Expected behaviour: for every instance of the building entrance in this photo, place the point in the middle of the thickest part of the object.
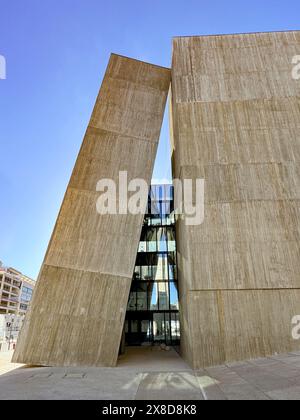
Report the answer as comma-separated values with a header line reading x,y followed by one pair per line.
x,y
152,328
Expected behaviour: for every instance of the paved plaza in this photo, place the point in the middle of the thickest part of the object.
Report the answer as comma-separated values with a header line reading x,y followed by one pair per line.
x,y
152,373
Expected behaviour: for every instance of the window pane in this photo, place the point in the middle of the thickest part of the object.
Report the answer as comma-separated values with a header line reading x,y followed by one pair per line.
x,y
145,327
158,327
146,272
134,326
171,239
175,327
152,296
132,302
162,268
142,246
174,296
155,209
163,296
172,272
167,329
162,239
137,273
171,246
141,301
152,246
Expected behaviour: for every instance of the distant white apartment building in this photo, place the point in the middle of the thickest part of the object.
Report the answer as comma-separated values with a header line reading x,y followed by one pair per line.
x,y
15,291
15,296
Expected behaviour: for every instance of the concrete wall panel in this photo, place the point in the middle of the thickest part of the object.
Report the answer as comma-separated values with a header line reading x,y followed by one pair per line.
x,y
236,122
79,304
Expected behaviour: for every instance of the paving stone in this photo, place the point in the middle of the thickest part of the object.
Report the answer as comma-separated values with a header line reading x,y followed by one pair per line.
x,y
265,362
291,394
243,392
263,379
283,370
209,387
225,376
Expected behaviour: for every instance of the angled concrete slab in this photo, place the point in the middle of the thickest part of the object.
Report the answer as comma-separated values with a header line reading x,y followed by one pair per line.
x,y
79,304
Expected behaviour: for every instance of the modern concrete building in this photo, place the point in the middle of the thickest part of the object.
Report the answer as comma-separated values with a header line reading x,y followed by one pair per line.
x,y
235,119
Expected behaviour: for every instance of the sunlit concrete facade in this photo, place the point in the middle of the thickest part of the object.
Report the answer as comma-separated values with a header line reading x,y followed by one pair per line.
x,y
79,304
236,123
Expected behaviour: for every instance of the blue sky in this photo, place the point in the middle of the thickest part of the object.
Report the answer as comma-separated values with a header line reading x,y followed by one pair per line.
x,y
56,53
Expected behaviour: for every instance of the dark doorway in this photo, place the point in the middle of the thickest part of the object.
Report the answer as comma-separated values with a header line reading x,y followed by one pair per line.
x,y
149,328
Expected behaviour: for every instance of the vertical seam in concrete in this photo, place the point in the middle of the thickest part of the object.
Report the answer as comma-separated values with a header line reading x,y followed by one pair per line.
x,y
221,314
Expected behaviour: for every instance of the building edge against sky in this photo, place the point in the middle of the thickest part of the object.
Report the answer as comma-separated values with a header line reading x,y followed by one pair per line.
x,y
235,122
71,325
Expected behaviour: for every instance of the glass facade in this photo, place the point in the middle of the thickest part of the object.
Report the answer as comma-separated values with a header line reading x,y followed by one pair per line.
x,y
153,308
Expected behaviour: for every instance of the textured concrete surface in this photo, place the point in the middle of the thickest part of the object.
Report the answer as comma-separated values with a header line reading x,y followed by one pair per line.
x,y
78,308
155,374
235,114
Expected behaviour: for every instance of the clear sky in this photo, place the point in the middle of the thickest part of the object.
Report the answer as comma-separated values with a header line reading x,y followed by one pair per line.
x,y
56,53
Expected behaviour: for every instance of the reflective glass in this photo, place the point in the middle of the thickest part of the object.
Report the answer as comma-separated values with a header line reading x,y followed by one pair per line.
x,y
162,239
158,327
153,297
141,301
155,268
134,326
174,296
162,268
132,302
175,326
146,327
163,296
142,246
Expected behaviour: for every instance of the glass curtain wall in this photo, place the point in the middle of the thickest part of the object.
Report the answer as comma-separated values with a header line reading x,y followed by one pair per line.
x,y
153,308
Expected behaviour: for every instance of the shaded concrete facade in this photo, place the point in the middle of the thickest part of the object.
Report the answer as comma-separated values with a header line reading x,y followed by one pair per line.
x,y
236,123
79,304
